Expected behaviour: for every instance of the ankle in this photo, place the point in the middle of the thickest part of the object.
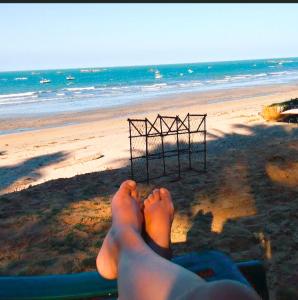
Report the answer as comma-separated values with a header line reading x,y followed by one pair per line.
x,y
124,236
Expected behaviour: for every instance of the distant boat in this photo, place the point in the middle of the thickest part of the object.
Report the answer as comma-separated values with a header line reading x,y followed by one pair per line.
x,y
45,80
157,75
70,77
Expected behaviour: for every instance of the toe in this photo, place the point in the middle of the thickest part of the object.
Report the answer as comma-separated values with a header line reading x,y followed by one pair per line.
x,y
128,186
156,195
135,195
149,200
165,195
146,201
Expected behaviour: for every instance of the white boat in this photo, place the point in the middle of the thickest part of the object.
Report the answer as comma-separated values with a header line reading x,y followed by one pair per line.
x,y
70,77
157,75
45,80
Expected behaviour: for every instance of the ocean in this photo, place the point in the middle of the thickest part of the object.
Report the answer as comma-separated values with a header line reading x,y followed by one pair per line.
x,y
22,93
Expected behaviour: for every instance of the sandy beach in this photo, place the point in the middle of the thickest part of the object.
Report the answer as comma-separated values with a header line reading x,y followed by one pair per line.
x,y
56,185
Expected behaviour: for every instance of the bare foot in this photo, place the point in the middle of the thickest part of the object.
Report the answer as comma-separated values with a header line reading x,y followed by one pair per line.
x,y
159,214
126,213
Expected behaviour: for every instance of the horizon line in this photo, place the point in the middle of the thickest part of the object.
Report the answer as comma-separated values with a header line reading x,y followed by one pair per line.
x,y
146,65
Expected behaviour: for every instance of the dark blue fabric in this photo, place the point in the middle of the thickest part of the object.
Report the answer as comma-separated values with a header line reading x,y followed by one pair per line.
x,y
211,265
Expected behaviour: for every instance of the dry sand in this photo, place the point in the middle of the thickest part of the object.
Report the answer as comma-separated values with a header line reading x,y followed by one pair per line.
x,y
245,204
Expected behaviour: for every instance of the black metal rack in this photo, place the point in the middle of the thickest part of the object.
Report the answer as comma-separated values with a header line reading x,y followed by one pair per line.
x,y
154,145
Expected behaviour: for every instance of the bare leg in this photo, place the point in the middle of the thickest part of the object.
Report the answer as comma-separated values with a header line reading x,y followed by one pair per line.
x,y
126,213
144,275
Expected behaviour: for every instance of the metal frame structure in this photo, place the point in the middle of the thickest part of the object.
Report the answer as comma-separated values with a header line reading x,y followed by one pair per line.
x,y
163,140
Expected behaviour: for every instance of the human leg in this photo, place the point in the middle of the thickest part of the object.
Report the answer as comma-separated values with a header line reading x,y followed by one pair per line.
x,y
144,275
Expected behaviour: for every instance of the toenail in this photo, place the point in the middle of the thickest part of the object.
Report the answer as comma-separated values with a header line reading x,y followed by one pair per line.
x,y
163,190
131,183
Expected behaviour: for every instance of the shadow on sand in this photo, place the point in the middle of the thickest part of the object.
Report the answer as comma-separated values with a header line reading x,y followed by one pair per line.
x,y
245,205
28,170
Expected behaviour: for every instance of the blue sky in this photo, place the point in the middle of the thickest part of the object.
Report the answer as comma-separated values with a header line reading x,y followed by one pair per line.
x,y
45,36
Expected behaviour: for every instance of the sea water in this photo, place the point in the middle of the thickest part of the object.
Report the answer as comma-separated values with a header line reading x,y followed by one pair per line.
x,y
22,93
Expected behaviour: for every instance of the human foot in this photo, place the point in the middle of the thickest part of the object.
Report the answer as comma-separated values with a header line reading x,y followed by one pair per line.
x,y
159,214
126,214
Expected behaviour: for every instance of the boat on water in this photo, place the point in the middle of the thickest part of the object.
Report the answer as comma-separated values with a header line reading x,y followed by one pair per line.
x,y
70,77
157,75
43,80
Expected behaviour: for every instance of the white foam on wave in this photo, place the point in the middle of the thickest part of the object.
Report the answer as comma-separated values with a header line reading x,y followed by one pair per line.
x,y
183,84
282,73
81,89
18,100
245,76
286,61
241,76
215,81
21,78
28,94
278,73
190,84
280,62
153,87
260,75
91,70
196,83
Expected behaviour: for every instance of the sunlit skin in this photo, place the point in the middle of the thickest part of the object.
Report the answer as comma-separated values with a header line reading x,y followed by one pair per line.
x,y
126,214
141,273
158,217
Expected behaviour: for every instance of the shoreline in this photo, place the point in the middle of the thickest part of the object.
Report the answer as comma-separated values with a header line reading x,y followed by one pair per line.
x,y
17,125
98,140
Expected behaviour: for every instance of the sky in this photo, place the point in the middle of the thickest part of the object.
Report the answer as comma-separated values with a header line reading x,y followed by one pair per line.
x,y
53,36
